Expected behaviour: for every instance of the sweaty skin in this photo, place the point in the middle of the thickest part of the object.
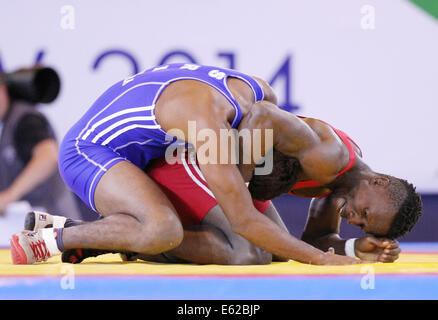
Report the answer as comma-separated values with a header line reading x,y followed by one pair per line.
x,y
139,218
358,195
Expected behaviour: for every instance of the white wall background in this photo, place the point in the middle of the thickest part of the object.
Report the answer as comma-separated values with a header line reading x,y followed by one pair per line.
x,y
379,85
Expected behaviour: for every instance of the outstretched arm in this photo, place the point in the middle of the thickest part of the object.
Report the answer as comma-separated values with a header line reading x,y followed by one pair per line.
x,y
225,180
213,242
273,214
233,196
230,191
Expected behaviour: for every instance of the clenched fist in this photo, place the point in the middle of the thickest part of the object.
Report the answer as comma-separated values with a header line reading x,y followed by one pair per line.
x,y
377,249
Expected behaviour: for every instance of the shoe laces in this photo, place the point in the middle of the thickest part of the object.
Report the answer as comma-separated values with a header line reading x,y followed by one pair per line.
x,y
39,250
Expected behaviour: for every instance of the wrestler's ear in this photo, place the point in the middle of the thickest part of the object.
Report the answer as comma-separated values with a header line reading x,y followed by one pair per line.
x,y
379,181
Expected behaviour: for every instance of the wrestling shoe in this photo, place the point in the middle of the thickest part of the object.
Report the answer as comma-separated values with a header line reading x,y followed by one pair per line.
x,y
78,255
36,220
28,247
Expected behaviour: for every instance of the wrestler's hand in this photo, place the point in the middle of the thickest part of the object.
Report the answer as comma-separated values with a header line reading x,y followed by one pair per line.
x,y
330,258
377,249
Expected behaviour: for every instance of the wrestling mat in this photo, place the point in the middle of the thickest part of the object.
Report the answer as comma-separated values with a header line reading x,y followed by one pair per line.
x,y
413,276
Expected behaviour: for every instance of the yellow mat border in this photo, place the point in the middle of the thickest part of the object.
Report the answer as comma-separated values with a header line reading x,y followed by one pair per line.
x,y
111,264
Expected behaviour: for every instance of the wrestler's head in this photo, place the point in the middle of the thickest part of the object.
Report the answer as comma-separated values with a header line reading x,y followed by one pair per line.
x,y
382,205
279,181
4,98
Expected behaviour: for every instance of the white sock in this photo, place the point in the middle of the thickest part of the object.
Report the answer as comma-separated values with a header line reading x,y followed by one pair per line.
x,y
48,235
59,221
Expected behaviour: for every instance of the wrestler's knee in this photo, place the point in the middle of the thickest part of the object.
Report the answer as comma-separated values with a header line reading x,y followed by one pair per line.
x,y
159,235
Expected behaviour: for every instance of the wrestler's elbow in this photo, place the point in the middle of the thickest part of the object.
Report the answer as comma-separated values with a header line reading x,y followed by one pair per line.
x,y
244,223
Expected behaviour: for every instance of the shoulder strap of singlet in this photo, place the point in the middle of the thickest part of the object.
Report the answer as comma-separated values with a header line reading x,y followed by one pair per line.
x,y
255,87
349,144
217,78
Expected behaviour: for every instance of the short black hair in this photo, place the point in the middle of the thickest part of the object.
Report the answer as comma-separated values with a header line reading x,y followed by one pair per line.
x,y
282,178
410,207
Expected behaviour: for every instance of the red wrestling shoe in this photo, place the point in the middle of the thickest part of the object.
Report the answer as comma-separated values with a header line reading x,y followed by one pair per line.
x,y
28,247
78,255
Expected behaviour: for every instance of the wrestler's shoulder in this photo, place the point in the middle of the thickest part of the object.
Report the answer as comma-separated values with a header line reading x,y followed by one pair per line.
x,y
269,93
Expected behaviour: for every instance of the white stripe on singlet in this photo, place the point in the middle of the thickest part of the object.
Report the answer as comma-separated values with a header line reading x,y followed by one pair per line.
x,y
133,142
128,128
119,123
115,115
94,179
97,114
199,183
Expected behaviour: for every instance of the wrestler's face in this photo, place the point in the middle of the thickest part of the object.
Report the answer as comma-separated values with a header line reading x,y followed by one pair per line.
x,y
4,100
369,207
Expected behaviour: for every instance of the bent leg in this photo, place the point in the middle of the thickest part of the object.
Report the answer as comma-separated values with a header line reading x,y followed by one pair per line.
x,y
213,242
138,216
208,238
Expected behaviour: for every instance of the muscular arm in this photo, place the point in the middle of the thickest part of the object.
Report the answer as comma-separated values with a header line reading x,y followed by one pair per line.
x,y
225,180
233,196
320,153
213,242
273,214
322,226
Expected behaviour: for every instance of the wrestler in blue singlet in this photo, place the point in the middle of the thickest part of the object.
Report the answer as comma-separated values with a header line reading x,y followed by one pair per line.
x,y
121,124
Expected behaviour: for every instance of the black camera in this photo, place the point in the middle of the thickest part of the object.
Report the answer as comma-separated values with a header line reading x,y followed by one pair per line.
x,y
33,85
